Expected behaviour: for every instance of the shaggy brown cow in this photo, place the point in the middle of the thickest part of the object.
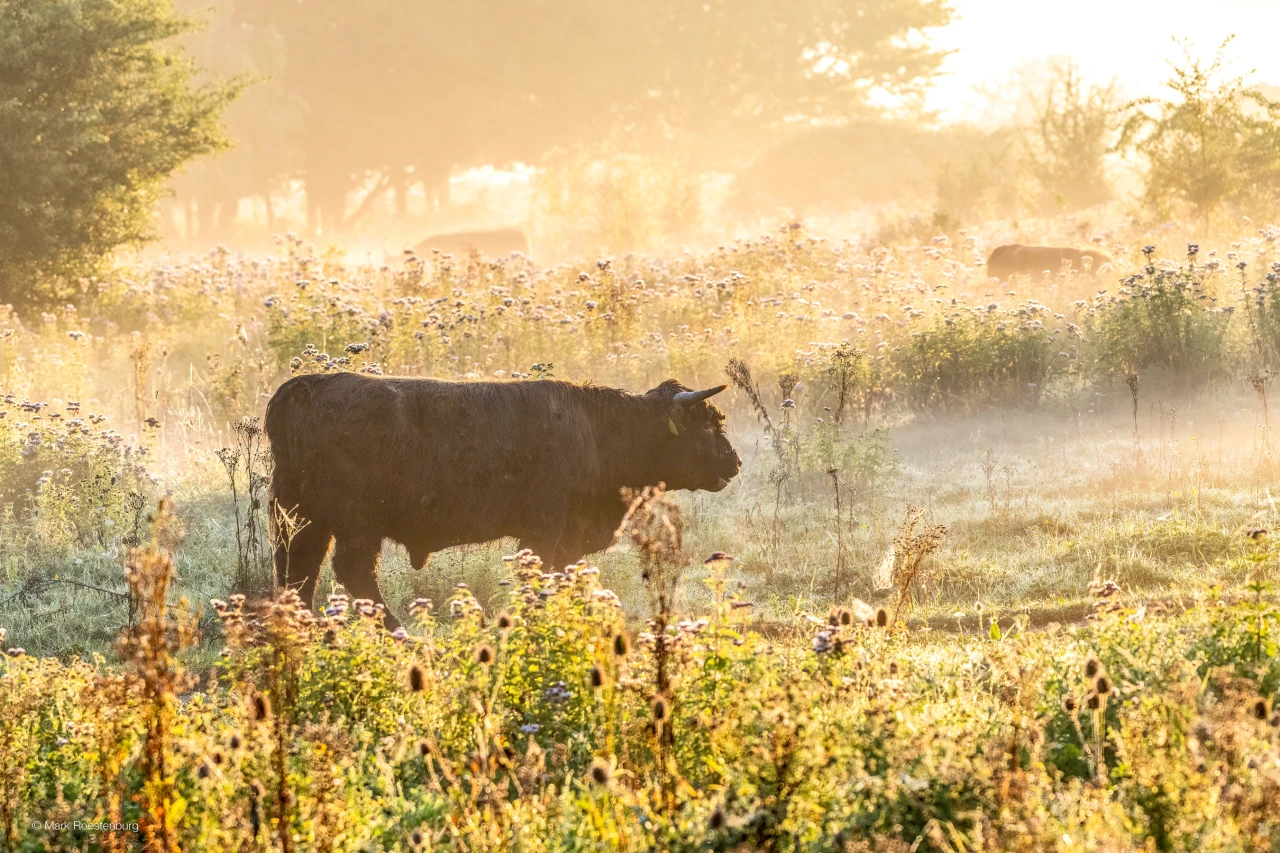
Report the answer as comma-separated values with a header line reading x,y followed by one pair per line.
x,y
497,243
432,464
1016,259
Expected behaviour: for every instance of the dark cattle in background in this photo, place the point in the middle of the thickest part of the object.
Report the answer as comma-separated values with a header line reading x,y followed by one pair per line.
x,y
1016,259
432,464
497,243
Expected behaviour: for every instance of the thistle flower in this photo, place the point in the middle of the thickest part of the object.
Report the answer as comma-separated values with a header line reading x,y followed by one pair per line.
x,y
417,679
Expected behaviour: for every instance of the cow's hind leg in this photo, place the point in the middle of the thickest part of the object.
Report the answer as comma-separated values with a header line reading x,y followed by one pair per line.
x,y
355,564
298,561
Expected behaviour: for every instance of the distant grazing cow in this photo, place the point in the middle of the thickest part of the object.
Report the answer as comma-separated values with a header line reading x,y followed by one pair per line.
x,y
497,243
433,464
1016,259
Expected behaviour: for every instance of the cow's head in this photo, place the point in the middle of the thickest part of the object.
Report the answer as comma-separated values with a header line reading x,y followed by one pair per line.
x,y
696,452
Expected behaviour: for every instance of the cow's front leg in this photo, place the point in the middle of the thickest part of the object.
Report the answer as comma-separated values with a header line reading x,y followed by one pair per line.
x,y
355,565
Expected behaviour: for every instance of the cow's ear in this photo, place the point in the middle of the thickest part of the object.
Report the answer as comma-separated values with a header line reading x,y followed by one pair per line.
x,y
671,425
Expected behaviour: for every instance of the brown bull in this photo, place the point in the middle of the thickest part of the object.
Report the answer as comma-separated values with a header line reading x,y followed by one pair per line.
x,y
1016,259
432,464
495,243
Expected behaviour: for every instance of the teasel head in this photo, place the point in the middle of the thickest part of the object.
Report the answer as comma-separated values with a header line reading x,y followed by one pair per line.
x,y
1092,667
484,654
1093,701
621,645
505,621
600,773
882,618
597,677
717,820
658,706
1260,708
259,707
417,678
1069,704
1102,685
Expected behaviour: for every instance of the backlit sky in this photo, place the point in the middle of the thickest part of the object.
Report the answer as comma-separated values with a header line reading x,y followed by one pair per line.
x,y
1127,39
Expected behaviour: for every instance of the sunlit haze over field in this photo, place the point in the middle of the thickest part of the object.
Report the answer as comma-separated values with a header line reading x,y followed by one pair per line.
x,y
1126,39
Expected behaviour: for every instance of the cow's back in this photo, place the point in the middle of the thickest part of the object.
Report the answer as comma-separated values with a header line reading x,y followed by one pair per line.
x,y
494,243
1017,259
385,451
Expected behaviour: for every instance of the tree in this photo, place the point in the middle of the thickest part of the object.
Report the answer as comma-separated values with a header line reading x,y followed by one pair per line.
x,y
96,112
397,93
1212,143
1069,136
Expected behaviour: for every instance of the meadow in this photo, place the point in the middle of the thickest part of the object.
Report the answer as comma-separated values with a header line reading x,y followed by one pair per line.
x,y
997,573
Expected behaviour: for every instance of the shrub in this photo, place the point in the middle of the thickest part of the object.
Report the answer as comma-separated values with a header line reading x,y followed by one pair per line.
x,y
1167,320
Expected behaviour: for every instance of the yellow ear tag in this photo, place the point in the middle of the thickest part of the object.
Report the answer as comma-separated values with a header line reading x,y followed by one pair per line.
x,y
671,425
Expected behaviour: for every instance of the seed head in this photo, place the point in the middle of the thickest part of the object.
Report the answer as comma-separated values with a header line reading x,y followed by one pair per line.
x,y
600,773
1260,709
484,654
424,748
234,742
597,677
717,820
621,645
659,708
505,621
259,707
416,839
417,679
1092,667
1069,704
1093,702
1102,686
882,618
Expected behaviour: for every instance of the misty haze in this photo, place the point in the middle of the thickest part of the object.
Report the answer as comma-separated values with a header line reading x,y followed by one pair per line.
x,y
651,426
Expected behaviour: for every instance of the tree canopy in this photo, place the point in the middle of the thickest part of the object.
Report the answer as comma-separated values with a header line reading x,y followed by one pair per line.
x,y
408,92
96,111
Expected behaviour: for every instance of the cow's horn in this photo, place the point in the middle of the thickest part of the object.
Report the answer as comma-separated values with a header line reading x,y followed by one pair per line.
x,y
685,398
